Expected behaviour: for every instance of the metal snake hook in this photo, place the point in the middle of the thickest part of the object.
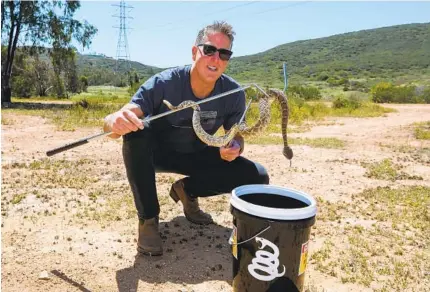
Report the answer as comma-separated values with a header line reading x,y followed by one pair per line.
x,y
148,119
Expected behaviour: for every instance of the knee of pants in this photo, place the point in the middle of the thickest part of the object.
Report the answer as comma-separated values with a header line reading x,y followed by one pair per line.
x,y
262,175
137,142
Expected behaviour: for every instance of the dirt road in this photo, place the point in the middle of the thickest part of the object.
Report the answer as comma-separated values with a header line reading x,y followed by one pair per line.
x,y
72,215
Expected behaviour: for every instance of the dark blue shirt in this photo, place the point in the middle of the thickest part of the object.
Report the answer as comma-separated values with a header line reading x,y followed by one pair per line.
x,y
175,131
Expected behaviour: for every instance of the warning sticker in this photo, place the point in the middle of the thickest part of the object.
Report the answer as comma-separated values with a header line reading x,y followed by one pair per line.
x,y
303,257
234,242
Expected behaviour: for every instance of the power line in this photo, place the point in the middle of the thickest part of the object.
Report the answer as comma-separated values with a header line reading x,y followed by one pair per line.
x,y
283,7
204,15
234,7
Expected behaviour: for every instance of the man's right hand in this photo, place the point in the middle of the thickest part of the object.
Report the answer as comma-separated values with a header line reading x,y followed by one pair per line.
x,y
123,122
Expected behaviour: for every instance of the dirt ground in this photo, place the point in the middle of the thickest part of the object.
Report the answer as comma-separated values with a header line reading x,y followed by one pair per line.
x,y
72,215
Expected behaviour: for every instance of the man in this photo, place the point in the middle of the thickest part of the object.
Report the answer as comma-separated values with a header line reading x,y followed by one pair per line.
x,y
169,144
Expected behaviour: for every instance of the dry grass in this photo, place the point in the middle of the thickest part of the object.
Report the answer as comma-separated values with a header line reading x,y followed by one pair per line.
x,y
389,252
415,154
422,131
331,143
6,121
387,170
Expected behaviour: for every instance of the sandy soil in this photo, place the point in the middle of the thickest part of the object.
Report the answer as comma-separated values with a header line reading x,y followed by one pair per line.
x,y
72,216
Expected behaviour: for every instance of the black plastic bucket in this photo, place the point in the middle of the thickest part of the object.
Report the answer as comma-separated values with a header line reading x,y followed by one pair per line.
x,y
270,238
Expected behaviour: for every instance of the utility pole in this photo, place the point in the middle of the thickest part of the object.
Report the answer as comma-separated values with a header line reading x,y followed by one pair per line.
x,y
122,52
285,77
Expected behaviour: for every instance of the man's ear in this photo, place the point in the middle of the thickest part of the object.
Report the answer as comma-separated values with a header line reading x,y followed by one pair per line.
x,y
194,52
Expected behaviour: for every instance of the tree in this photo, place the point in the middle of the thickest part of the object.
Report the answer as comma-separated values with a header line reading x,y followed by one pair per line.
x,y
37,23
41,76
64,63
72,76
84,83
21,80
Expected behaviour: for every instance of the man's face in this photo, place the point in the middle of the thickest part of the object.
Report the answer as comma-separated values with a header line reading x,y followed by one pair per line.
x,y
210,68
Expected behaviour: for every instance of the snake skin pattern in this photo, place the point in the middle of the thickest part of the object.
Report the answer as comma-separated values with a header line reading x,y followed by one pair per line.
x,y
242,128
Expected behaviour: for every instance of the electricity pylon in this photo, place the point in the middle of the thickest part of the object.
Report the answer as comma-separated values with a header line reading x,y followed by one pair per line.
x,y
122,52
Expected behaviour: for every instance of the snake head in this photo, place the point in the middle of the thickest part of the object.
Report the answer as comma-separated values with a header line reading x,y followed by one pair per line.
x,y
288,152
168,104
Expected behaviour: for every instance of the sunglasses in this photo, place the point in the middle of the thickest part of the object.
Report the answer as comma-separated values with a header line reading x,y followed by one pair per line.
x,y
210,50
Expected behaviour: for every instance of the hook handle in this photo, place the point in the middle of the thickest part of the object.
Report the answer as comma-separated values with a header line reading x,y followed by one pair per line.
x,y
75,144
66,147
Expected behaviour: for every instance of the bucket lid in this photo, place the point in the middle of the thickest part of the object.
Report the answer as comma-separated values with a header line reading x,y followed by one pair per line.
x,y
274,213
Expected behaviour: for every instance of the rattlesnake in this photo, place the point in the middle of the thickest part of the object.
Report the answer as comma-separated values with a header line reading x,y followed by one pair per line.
x,y
242,128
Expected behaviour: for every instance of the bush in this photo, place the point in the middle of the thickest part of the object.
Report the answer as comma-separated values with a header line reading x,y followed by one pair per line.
x,y
322,77
352,101
84,83
304,92
335,81
357,99
340,101
357,86
22,87
426,94
385,92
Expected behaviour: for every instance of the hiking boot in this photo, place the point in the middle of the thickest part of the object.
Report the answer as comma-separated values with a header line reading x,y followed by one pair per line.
x,y
149,242
191,205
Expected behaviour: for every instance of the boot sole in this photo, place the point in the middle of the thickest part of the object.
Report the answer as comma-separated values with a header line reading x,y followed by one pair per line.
x,y
197,222
149,253
176,198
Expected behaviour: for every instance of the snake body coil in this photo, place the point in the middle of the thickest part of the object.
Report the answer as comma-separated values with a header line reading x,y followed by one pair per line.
x,y
242,128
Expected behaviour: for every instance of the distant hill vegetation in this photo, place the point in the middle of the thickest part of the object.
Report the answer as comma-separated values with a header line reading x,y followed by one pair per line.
x,y
353,61
383,53
100,69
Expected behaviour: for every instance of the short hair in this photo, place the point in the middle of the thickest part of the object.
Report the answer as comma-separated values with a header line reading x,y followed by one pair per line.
x,y
217,26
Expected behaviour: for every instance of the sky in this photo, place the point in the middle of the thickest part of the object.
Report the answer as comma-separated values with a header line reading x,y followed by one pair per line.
x,y
162,33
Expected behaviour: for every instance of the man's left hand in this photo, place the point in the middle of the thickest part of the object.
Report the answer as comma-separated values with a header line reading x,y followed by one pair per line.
x,y
231,151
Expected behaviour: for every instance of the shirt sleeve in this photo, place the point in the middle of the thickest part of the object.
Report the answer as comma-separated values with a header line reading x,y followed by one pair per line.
x,y
238,108
149,95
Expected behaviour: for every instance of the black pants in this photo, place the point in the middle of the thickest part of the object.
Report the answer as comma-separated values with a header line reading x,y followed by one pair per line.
x,y
207,174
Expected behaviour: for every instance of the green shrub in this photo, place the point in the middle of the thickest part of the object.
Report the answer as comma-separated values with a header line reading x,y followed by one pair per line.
x,y
22,87
355,101
319,110
84,83
304,92
351,101
322,77
425,94
335,81
385,92
340,101
422,131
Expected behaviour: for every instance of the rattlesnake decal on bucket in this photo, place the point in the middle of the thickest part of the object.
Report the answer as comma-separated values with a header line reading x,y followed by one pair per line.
x,y
266,262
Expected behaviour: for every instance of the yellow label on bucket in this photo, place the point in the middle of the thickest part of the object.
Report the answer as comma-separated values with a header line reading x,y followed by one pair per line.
x,y
303,257
234,242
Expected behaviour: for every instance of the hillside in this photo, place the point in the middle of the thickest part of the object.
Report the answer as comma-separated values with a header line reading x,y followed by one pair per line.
x,y
100,68
385,52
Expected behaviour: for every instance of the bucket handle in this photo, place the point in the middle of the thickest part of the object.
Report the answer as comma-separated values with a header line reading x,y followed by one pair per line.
x,y
230,240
